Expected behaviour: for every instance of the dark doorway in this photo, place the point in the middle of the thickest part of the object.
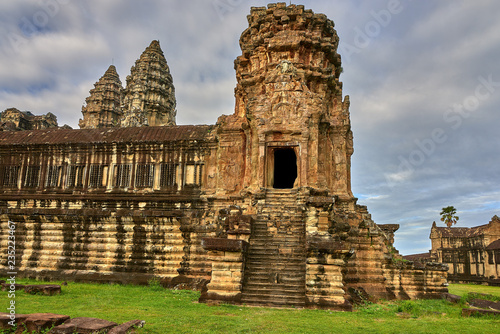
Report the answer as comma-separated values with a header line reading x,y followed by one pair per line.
x,y
285,168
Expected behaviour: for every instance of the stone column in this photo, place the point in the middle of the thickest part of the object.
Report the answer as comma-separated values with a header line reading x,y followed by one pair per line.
x,y
324,279
228,263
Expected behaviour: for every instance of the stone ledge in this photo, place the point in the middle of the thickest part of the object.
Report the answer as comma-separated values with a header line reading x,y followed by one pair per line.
x,y
62,324
326,245
216,298
225,245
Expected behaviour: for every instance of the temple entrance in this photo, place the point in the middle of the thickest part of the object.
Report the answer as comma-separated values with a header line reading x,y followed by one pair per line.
x,y
285,168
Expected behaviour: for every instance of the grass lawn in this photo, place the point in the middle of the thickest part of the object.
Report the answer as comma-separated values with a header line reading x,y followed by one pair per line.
x,y
172,311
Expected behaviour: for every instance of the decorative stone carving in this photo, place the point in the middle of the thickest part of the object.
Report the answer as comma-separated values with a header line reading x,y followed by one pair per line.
x,y
149,98
103,106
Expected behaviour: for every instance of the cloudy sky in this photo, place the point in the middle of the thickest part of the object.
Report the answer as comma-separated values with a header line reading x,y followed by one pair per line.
x,y
423,79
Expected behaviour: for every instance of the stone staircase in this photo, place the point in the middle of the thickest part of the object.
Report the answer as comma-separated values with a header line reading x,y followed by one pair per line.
x,y
275,267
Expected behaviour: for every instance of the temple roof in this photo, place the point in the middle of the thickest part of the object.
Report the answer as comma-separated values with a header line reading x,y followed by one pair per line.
x,y
107,135
416,257
460,232
494,245
464,232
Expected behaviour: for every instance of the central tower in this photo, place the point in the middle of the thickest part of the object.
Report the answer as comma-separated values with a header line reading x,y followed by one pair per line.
x,y
289,104
293,232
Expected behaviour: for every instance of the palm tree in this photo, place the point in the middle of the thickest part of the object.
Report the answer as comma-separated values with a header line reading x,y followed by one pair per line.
x,y
448,216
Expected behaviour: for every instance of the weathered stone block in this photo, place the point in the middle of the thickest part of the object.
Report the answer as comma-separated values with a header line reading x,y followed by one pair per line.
x,y
47,289
38,322
469,312
128,327
6,318
83,325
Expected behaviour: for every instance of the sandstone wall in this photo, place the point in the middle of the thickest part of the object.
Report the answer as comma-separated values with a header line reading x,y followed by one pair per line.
x,y
94,245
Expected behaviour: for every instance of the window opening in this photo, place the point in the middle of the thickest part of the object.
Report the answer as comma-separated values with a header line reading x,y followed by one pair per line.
x,y
168,175
10,176
96,175
75,176
144,176
53,173
122,176
32,176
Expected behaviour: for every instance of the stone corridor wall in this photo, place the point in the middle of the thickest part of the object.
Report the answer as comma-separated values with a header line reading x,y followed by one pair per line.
x,y
90,245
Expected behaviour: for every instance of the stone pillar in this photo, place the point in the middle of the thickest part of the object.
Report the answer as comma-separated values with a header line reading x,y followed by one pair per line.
x,y
228,263
324,279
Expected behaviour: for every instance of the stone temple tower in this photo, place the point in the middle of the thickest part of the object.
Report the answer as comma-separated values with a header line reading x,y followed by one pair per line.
x,y
103,106
289,98
149,97
147,100
283,171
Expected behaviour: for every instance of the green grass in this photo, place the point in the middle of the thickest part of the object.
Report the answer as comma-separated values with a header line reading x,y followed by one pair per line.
x,y
171,311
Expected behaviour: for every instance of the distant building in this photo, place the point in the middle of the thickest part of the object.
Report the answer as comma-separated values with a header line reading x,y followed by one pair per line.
x,y
472,254
13,119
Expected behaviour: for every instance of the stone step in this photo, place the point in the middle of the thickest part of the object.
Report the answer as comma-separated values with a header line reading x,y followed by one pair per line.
x,y
273,229
263,273
273,260
270,244
263,221
280,237
271,271
275,270
283,252
288,283
272,267
274,300
277,243
292,291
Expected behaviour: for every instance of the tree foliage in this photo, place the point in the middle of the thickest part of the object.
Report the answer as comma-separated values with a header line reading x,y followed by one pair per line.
x,y
448,215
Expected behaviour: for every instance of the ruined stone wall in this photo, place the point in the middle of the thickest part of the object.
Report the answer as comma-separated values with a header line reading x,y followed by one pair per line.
x,y
83,245
13,119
